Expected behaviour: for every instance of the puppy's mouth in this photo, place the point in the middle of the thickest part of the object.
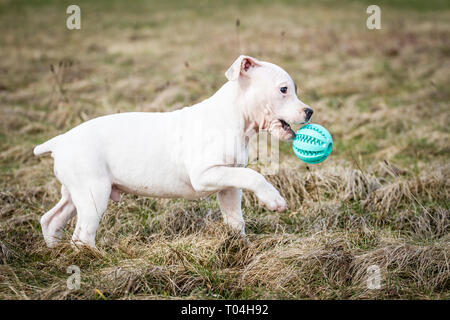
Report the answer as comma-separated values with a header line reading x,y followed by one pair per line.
x,y
286,131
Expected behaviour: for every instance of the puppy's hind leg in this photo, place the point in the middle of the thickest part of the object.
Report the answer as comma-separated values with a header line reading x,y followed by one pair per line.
x,y
230,206
55,219
91,200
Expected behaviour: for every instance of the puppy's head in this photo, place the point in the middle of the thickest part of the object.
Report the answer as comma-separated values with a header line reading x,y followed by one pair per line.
x,y
269,95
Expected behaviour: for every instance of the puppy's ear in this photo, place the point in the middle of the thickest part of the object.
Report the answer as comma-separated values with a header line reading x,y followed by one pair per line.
x,y
241,67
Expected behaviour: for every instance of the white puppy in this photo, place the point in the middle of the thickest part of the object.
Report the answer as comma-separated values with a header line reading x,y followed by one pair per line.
x,y
188,153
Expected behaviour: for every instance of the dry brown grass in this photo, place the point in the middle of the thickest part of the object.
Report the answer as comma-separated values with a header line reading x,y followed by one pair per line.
x,y
380,199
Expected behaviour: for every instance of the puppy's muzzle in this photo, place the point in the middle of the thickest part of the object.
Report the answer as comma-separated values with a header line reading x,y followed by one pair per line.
x,y
308,114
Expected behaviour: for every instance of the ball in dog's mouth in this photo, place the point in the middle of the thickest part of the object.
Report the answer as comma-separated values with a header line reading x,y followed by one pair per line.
x,y
287,133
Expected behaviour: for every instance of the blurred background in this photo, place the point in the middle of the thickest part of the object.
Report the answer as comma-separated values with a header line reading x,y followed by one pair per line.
x,y
380,198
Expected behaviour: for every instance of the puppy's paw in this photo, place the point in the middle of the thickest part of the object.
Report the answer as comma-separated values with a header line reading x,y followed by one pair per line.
x,y
51,241
272,200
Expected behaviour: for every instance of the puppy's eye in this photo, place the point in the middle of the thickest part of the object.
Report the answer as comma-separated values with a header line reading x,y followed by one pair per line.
x,y
283,89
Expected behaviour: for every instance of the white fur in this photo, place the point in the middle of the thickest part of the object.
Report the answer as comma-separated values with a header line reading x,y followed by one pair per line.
x,y
188,153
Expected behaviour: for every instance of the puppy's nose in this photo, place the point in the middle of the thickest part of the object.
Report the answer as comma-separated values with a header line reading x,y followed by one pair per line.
x,y
308,113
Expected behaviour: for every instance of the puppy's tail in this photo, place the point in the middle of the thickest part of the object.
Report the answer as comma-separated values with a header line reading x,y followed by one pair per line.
x,y
46,147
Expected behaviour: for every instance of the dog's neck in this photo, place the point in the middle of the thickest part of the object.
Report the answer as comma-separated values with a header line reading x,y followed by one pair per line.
x,y
255,115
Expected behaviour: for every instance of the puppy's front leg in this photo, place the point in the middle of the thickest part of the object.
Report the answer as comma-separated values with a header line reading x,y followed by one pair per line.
x,y
222,177
230,206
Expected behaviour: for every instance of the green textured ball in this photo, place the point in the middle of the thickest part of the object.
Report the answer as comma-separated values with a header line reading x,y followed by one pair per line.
x,y
312,143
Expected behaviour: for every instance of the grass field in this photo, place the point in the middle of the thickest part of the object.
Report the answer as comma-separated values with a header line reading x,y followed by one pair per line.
x,y
382,197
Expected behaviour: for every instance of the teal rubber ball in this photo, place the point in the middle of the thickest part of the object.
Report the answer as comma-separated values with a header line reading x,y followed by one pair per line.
x,y
312,143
